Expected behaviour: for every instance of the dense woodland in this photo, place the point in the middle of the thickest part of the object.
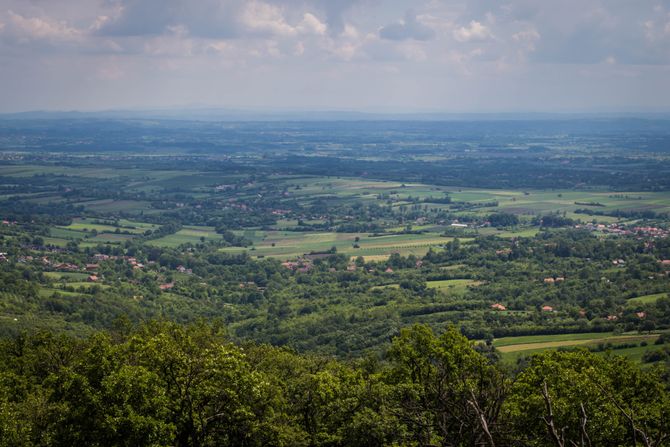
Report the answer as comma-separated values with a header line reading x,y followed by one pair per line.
x,y
165,384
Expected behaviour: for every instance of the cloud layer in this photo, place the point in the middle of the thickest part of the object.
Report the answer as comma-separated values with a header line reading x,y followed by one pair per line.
x,y
472,55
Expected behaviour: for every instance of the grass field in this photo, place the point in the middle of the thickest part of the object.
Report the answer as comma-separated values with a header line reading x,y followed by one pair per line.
x,y
289,245
453,286
188,234
114,206
125,226
81,229
646,299
512,348
67,276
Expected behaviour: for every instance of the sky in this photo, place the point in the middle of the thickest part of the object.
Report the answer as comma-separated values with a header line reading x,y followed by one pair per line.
x,y
365,55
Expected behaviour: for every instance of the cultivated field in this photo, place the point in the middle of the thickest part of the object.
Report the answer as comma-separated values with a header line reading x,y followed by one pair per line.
x,y
513,348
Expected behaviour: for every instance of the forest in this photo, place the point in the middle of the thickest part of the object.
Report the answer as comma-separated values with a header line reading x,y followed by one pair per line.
x,y
166,384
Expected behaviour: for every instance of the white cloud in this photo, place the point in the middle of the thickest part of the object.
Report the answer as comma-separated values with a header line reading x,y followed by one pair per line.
x,y
266,18
35,28
312,25
410,27
350,32
475,32
527,38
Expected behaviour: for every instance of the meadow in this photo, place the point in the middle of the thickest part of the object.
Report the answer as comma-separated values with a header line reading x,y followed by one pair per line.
x,y
513,348
292,244
190,234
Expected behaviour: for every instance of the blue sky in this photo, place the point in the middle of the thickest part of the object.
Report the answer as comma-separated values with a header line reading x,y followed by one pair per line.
x,y
373,55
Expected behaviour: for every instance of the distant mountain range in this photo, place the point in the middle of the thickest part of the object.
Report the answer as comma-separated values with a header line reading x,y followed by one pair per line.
x,y
219,114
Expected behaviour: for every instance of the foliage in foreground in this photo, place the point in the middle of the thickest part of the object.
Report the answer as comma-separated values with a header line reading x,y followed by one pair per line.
x,y
165,384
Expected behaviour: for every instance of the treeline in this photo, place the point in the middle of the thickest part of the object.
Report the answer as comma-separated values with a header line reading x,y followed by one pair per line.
x,y
638,214
166,384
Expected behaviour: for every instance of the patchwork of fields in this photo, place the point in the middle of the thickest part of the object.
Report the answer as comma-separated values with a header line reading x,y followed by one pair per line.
x,y
513,348
290,245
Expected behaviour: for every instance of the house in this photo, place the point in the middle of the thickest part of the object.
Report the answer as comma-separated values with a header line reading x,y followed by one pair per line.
x,y
547,309
388,270
100,257
181,269
92,267
549,280
166,286
290,265
93,278
351,268
612,318
498,306
559,279
641,315
66,266
3,257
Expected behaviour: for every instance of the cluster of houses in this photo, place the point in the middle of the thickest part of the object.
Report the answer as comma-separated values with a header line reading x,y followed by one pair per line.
x,y
641,315
181,269
134,263
582,313
280,212
301,265
498,306
624,230
554,279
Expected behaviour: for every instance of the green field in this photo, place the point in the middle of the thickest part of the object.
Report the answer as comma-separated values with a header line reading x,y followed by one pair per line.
x,y
67,276
512,348
646,299
453,286
289,245
125,226
187,235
